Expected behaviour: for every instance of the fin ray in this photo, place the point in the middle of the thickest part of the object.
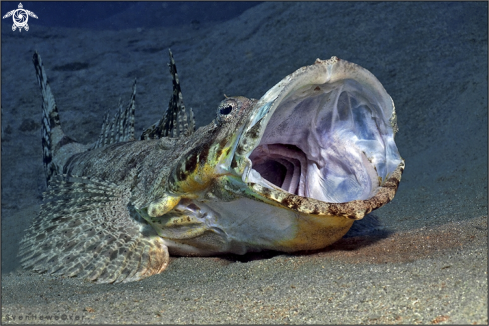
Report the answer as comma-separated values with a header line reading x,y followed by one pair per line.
x,y
57,147
175,122
121,127
86,227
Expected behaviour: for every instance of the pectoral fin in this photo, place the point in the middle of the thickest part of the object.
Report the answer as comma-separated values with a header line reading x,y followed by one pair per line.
x,y
186,228
182,222
88,228
163,205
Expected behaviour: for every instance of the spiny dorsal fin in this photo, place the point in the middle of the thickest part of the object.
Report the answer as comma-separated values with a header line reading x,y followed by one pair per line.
x,y
56,146
88,228
121,128
175,122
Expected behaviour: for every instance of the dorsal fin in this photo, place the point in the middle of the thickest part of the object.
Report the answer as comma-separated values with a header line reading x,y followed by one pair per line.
x,y
175,122
121,128
57,147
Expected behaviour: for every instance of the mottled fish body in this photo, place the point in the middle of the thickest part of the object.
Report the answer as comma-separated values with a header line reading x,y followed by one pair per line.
x,y
291,171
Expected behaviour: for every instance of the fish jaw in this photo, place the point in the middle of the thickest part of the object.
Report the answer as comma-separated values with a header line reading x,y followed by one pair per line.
x,y
234,218
253,221
300,165
321,142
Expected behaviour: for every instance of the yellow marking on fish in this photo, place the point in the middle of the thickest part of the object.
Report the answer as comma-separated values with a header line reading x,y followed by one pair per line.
x,y
198,180
163,205
204,173
316,232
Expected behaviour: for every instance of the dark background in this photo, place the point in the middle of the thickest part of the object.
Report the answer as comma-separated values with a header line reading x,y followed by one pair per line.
x,y
431,57
116,15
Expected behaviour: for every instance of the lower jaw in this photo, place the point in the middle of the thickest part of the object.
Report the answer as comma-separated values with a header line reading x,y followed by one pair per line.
x,y
316,232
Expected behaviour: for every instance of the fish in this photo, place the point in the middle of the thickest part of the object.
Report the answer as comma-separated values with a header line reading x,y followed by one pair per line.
x,y
288,172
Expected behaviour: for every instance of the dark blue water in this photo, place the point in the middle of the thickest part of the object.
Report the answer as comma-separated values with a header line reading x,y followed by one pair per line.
x,y
116,15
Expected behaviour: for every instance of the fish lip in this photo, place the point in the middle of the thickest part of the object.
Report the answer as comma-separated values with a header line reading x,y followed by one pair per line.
x,y
322,72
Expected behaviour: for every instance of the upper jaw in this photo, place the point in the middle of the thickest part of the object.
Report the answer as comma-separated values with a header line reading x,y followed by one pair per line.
x,y
322,136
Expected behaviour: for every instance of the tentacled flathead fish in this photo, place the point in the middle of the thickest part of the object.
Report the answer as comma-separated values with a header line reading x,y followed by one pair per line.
x,y
291,171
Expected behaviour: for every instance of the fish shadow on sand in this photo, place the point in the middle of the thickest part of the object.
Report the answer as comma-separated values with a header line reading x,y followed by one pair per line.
x,y
363,233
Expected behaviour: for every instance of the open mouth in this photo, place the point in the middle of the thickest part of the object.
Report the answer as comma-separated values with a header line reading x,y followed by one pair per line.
x,y
326,132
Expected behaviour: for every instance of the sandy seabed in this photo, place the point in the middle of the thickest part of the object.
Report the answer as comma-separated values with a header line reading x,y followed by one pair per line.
x,y
425,259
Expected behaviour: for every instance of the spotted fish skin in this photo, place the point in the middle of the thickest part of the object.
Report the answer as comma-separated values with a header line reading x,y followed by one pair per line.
x,y
95,192
116,209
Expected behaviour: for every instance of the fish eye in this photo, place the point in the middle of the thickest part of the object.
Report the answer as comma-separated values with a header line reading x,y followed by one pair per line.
x,y
225,110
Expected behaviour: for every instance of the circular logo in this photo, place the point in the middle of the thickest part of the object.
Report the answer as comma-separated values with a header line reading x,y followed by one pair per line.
x,y
20,18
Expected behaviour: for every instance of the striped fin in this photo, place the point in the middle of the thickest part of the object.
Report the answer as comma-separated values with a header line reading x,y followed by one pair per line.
x,y
88,228
121,127
175,122
57,147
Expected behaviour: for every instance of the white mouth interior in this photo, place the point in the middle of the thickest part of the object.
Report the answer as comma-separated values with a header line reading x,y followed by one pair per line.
x,y
330,142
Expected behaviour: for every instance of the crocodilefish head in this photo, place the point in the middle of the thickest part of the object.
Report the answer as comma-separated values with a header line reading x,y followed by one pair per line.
x,y
293,170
